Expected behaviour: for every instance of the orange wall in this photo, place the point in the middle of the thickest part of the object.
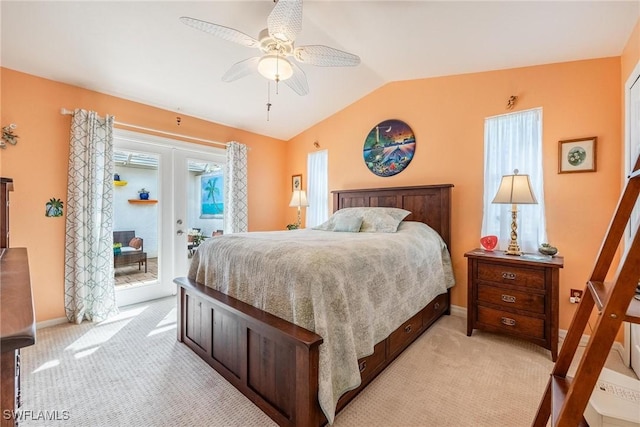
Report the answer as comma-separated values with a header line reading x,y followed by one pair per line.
x,y
630,55
38,165
447,114
579,99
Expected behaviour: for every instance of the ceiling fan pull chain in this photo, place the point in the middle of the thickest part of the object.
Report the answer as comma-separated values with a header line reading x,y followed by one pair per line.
x,y
277,70
268,98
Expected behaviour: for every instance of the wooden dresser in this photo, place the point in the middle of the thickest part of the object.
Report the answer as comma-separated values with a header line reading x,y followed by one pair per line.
x,y
514,295
17,327
6,185
17,319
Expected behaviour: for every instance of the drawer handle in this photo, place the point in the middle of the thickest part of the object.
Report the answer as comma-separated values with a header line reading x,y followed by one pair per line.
x,y
436,306
362,365
508,321
407,328
508,298
509,276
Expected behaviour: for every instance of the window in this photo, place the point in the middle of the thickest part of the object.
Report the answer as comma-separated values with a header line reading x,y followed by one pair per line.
x,y
317,188
514,141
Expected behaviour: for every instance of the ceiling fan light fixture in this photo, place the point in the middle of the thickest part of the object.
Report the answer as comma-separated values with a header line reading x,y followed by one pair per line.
x,y
275,67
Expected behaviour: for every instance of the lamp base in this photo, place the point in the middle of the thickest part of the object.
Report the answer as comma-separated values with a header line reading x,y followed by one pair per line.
x,y
514,251
514,247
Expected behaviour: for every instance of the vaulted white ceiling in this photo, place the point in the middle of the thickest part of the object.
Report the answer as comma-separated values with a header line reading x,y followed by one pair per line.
x,y
142,52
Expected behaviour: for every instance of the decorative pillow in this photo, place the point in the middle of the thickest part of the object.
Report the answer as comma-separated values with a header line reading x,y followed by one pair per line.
x,y
374,219
136,243
348,224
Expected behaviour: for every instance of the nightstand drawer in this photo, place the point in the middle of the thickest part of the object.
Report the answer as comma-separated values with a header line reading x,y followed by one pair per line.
x,y
506,273
511,322
511,298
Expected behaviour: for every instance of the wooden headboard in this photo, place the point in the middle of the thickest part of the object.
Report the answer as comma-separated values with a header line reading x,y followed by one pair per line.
x,y
430,204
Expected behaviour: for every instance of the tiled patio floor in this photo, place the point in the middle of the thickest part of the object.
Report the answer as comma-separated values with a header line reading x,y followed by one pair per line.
x,y
130,275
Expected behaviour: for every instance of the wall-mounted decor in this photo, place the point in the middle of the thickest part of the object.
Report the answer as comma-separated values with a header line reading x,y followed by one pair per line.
x,y
296,182
211,195
389,147
8,136
577,155
53,207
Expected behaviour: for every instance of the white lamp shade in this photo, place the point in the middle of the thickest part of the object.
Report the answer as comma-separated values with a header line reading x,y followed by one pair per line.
x,y
515,189
271,66
298,198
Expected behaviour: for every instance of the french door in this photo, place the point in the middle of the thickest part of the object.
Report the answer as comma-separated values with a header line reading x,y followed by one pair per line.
x,y
176,175
632,150
199,179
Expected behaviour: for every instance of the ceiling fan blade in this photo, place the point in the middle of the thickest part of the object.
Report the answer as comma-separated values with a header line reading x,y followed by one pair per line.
x,y
221,31
241,69
325,56
285,20
298,81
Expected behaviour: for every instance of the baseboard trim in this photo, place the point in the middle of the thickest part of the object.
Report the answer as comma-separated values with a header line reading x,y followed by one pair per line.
x,y
456,310
51,322
584,340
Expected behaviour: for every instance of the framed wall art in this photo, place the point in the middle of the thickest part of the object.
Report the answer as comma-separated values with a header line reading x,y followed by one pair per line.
x,y
211,195
389,148
296,182
577,155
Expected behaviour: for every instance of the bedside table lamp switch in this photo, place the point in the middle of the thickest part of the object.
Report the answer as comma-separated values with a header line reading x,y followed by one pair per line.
x,y
514,189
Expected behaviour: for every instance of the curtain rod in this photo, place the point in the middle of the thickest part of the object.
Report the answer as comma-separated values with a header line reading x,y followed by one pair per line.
x,y
66,112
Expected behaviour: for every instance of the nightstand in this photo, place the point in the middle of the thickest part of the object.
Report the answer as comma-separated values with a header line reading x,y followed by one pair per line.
x,y
514,295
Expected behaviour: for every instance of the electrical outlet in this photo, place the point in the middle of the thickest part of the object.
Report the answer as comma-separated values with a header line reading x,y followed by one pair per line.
x,y
576,296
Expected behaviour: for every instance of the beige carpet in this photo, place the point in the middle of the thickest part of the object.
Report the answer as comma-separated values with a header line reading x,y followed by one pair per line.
x,y
131,371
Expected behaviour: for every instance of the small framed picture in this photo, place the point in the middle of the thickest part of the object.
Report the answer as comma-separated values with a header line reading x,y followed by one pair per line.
x,y
296,182
577,155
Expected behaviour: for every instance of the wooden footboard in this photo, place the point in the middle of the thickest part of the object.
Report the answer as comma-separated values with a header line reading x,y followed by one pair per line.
x,y
274,362
271,361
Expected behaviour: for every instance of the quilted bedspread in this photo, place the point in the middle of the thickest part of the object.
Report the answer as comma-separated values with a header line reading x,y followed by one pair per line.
x,y
353,289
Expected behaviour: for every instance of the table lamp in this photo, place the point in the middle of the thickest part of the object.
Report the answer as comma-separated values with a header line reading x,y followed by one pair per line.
x,y
298,200
514,189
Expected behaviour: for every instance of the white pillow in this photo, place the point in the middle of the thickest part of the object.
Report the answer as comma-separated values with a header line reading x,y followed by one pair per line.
x,y
374,219
348,224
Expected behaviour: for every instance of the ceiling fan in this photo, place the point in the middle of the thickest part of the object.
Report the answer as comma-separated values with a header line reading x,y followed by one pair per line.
x,y
277,45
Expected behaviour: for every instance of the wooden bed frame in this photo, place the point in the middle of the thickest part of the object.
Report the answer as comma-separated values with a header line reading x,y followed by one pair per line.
x,y
274,362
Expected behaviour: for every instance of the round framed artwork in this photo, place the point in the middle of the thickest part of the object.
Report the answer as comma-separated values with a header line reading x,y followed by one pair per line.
x,y
389,148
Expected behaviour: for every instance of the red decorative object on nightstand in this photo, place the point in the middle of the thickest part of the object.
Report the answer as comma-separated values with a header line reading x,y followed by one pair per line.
x,y
489,243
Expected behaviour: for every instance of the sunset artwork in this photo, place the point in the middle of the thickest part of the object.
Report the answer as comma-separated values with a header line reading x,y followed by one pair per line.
x,y
389,148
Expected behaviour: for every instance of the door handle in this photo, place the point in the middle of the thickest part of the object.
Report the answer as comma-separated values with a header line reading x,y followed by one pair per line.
x,y
179,232
179,222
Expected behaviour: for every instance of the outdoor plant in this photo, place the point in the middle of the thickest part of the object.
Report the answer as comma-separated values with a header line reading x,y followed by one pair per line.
x,y
195,236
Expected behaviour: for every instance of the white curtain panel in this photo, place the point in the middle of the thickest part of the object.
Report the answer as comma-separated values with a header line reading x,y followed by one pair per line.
x,y
317,188
235,189
514,141
88,276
